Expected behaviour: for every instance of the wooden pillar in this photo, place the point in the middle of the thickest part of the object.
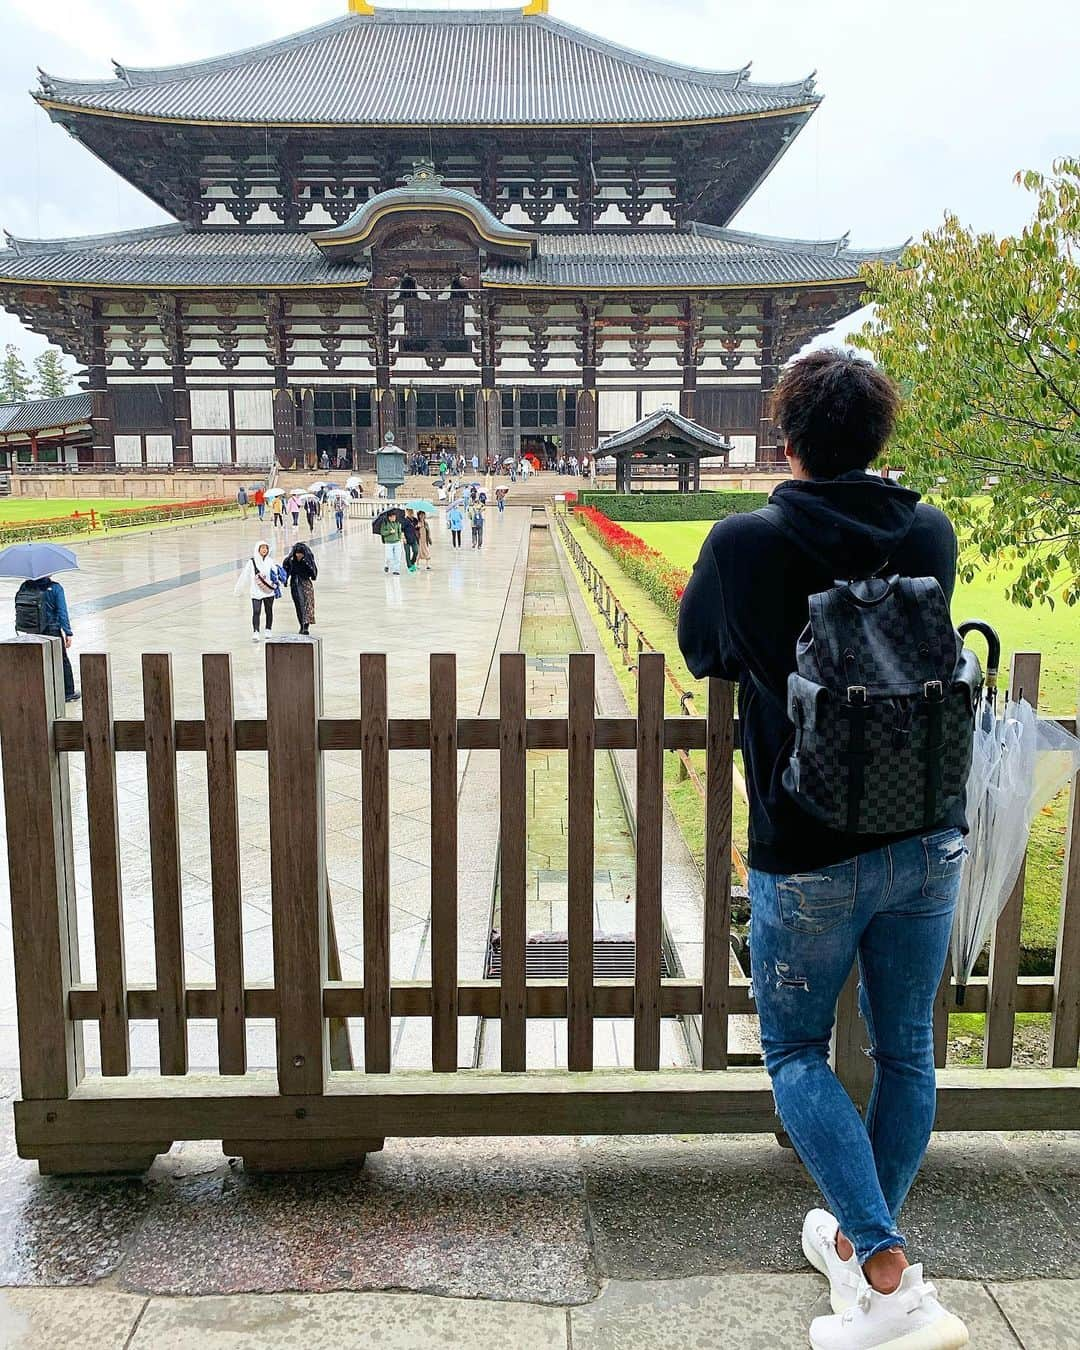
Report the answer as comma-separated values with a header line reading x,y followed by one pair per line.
x,y
101,418
33,447
693,325
170,316
489,414
385,396
587,412
764,456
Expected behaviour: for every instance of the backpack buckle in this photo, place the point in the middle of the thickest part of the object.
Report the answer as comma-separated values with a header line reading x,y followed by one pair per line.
x,y
856,694
933,691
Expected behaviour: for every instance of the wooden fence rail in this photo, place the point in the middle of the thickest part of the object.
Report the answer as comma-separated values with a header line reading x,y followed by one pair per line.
x,y
309,1111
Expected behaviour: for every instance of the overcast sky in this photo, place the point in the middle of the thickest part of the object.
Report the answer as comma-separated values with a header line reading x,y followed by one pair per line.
x,y
930,105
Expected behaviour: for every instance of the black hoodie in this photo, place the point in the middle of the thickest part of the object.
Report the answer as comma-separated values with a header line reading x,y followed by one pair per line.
x,y
746,605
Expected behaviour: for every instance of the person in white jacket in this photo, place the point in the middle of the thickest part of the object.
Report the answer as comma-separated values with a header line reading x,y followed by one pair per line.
x,y
260,580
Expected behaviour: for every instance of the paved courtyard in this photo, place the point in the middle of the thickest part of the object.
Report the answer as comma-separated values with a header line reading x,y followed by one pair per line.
x,y
173,591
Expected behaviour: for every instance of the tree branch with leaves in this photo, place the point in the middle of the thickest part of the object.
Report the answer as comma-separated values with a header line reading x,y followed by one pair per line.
x,y
983,335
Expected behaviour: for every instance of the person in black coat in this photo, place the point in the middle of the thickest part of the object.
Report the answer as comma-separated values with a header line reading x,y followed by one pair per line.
x,y
301,569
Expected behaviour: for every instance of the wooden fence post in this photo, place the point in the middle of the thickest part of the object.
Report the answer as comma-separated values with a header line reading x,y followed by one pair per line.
x,y
42,882
1065,1021
716,958
1005,943
160,735
225,861
375,801
649,861
444,862
580,887
299,906
512,848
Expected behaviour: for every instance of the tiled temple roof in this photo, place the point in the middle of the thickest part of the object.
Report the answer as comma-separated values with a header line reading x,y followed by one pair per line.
x,y
39,414
417,67
172,256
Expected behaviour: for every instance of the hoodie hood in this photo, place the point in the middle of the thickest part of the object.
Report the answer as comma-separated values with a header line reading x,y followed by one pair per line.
x,y
850,524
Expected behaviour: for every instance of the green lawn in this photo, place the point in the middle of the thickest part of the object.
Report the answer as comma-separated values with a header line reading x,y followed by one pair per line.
x,y
1056,633
17,509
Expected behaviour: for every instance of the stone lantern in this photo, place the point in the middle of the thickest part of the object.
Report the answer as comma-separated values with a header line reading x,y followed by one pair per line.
x,y
390,466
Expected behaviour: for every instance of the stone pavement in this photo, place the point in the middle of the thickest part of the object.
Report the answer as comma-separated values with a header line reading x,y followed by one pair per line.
x,y
594,1244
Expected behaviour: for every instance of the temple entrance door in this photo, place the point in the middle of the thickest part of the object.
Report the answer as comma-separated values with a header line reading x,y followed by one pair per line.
x,y
436,443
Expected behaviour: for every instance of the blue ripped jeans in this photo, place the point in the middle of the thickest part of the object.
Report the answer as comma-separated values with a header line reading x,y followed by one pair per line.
x,y
893,909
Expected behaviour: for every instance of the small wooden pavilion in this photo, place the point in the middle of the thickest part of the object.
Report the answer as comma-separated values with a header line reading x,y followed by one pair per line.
x,y
661,447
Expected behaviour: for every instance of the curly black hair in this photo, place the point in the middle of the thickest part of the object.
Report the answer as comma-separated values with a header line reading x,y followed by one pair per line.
x,y
836,411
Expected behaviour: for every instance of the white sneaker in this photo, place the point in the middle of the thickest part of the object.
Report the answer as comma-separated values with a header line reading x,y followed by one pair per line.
x,y
909,1319
819,1232
254,637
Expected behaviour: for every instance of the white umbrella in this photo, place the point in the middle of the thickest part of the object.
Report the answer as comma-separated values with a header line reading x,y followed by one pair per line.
x,y
1020,761
353,481
275,492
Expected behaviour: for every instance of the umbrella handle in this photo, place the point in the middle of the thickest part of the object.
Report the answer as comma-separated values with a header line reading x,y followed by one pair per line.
x,y
993,648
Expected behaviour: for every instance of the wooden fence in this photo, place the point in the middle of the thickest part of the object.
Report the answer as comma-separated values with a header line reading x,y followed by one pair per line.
x,y
308,1112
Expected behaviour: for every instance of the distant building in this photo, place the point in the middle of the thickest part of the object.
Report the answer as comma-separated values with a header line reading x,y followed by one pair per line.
x,y
483,231
52,432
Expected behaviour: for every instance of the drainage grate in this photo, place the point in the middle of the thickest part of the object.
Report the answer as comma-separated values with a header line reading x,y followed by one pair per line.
x,y
547,957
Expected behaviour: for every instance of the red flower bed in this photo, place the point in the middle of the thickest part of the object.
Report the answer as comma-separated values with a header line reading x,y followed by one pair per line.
x,y
663,581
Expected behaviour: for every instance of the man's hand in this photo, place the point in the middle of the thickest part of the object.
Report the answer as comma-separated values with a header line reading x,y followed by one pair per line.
x,y
69,638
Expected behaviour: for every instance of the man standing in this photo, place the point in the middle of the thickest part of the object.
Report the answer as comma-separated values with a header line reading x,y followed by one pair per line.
x,y
242,502
41,607
820,897
259,499
390,531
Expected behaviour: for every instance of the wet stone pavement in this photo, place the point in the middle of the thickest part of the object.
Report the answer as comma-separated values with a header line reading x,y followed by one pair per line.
x,y
630,1240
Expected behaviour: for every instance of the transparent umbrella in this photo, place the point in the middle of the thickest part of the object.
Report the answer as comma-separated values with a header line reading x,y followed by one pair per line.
x,y
1019,762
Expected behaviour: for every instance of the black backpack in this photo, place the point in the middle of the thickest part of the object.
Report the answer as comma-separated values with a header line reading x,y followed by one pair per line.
x,y
883,702
30,614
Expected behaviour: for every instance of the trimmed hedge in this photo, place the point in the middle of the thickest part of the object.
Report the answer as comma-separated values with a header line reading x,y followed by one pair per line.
x,y
55,527
651,506
166,511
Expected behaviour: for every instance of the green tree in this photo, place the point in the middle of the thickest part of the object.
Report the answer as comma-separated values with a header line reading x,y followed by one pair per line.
x,y
50,376
983,335
14,377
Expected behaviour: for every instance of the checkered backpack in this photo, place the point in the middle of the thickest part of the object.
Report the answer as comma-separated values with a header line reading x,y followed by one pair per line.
x,y
883,703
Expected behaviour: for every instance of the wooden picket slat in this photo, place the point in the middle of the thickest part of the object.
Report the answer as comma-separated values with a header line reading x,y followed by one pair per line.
x,y
164,814
1005,943
444,862
99,758
649,860
44,926
716,957
580,859
512,852
1065,1021
297,861
225,883
853,1066
942,1005
375,801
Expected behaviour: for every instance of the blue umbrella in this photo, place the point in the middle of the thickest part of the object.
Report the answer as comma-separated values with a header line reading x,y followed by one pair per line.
x,y
421,504
33,560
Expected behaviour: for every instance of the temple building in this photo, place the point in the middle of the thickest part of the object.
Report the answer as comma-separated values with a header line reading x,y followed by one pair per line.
x,y
481,230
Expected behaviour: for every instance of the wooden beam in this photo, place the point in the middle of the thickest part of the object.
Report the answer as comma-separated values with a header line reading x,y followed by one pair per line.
x,y
478,1104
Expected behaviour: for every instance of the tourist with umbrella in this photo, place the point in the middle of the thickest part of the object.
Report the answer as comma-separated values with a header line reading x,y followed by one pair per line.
x,y
389,526
301,569
311,510
40,602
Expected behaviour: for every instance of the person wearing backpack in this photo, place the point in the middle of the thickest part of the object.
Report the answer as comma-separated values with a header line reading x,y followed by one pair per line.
x,y
856,814
41,607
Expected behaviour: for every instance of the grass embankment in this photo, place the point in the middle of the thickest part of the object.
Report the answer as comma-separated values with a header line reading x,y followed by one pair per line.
x,y
14,510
